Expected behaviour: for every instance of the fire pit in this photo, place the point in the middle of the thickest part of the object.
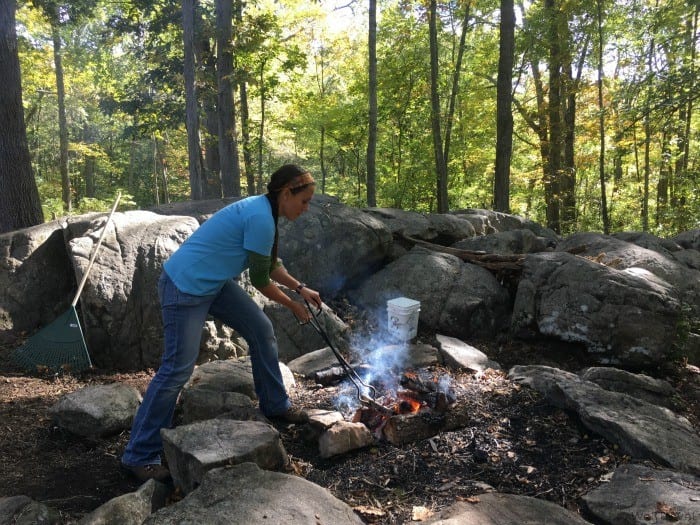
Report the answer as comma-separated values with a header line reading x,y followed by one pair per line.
x,y
424,403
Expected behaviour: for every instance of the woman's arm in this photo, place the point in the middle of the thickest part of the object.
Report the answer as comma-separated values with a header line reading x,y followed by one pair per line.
x,y
283,277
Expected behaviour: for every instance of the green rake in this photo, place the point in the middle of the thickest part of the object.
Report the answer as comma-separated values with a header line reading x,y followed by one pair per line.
x,y
60,346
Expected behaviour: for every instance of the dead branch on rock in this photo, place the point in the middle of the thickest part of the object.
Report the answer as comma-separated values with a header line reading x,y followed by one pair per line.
x,y
491,261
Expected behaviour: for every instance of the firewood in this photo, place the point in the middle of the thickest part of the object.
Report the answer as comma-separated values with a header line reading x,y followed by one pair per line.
x,y
402,429
490,261
330,375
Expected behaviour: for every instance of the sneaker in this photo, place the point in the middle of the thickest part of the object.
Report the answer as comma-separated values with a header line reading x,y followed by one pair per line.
x,y
145,472
292,415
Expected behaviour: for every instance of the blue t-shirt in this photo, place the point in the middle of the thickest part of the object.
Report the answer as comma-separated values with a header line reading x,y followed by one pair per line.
x,y
218,249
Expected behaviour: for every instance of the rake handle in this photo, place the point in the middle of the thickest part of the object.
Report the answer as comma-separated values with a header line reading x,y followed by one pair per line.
x,y
94,252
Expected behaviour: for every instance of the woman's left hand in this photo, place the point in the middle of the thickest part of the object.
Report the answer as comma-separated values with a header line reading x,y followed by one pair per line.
x,y
311,296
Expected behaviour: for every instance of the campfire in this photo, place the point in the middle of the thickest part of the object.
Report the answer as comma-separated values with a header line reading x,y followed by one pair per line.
x,y
417,409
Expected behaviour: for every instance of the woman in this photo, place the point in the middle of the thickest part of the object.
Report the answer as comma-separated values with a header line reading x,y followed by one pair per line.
x,y
198,280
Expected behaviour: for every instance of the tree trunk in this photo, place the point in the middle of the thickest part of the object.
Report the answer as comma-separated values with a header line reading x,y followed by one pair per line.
x,y
245,118
440,167
552,183
20,206
89,176
191,106
601,123
62,126
662,186
372,93
455,82
504,115
261,131
647,140
228,146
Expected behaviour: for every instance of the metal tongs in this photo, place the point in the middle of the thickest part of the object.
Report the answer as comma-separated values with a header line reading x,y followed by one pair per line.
x,y
366,394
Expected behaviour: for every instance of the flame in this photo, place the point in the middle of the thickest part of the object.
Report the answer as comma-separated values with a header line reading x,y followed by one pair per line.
x,y
407,404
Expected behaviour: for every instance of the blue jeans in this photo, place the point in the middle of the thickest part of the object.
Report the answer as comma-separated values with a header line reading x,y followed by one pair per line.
x,y
183,319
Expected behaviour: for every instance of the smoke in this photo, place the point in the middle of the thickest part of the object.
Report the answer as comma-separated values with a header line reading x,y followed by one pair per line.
x,y
381,359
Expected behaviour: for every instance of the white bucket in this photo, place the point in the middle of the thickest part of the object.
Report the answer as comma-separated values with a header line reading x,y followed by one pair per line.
x,y
403,317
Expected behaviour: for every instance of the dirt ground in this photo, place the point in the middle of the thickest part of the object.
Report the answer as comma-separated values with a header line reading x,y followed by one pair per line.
x,y
512,442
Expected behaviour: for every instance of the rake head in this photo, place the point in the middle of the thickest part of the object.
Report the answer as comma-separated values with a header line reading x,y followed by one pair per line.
x,y
58,347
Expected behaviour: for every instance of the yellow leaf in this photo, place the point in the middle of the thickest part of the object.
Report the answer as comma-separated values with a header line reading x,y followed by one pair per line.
x,y
420,513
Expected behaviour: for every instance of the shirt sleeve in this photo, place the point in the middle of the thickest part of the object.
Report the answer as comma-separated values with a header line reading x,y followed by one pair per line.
x,y
259,269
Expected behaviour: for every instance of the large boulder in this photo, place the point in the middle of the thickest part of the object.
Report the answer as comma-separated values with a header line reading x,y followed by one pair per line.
x,y
625,316
248,494
120,302
639,428
456,298
333,245
637,252
435,227
36,280
486,222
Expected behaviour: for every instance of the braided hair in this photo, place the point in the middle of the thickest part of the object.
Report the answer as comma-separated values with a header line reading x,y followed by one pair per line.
x,y
289,176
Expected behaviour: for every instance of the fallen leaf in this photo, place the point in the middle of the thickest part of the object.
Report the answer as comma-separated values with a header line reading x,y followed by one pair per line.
x,y
468,499
420,513
670,513
369,513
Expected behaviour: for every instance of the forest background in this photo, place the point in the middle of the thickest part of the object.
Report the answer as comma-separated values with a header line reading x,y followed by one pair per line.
x,y
577,114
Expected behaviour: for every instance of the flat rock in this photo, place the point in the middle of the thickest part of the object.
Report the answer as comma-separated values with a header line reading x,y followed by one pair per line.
x,y
507,509
199,404
308,364
247,494
458,354
194,449
344,437
641,429
639,494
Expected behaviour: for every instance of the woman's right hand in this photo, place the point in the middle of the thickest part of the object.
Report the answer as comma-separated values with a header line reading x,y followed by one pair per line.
x,y
301,312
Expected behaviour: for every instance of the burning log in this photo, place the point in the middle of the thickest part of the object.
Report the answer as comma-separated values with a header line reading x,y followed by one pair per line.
x,y
437,394
401,429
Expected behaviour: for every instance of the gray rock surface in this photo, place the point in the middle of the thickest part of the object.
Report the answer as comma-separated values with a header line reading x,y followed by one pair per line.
x,y
131,508
641,429
627,316
247,494
22,510
457,299
332,245
653,390
310,363
458,354
508,242
199,404
639,494
495,508
37,282
97,411
194,449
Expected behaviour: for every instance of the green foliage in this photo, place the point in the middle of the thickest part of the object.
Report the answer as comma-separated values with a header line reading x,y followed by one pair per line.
x,y
307,91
